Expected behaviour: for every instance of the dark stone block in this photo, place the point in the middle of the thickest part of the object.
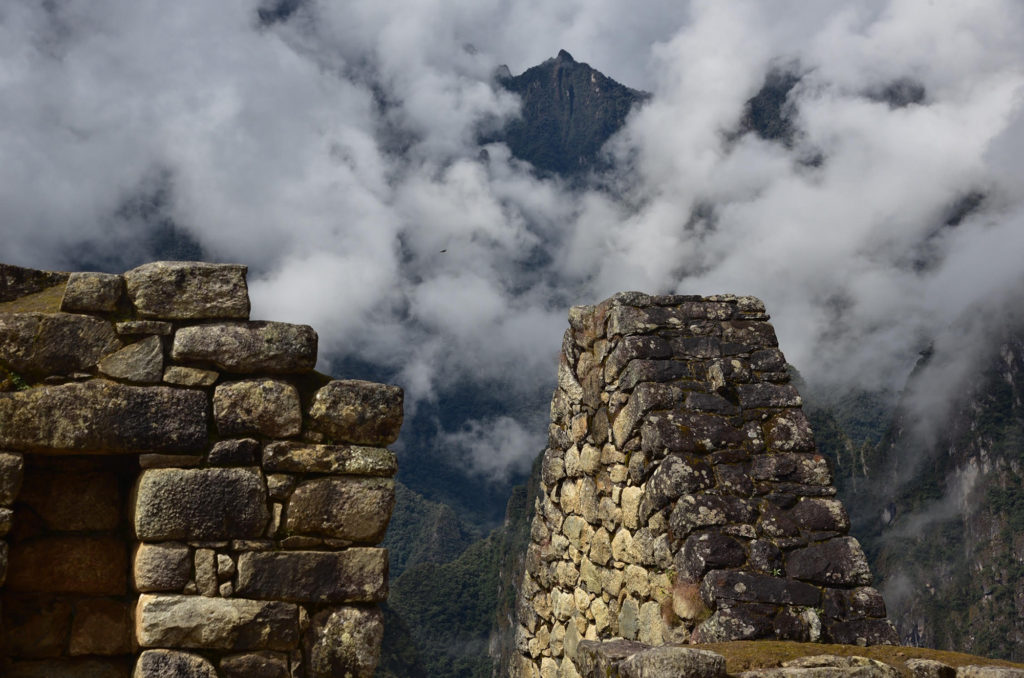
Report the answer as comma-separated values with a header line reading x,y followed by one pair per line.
x,y
697,347
688,432
835,562
643,371
789,432
845,604
765,557
821,515
708,551
693,512
796,625
761,395
351,575
739,622
599,659
734,479
673,478
40,344
631,348
757,588
239,452
711,402
804,469
751,333
248,348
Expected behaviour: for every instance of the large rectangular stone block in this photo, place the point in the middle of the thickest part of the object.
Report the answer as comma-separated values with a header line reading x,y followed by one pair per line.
x,y
187,290
257,407
291,457
211,503
355,509
215,623
359,412
103,416
40,344
245,348
352,575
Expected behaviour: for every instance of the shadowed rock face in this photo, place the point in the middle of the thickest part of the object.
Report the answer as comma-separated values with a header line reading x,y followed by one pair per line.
x,y
682,497
162,516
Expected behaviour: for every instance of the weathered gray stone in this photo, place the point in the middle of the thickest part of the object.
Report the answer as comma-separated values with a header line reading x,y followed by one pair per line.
x,y
351,575
40,344
673,662
758,395
200,504
359,412
238,452
92,292
734,623
673,478
190,376
247,348
182,290
255,665
295,457
687,432
173,664
929,668
161,567
862,632
827,666
137,327
344,642
989,672
708,551
17,282
12,471
104,416
595,659
835,562
695,511
215,623
807,469
257,407
356,509
141,362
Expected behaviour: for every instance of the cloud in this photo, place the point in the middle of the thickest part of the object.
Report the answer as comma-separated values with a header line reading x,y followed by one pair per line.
x,y
334,151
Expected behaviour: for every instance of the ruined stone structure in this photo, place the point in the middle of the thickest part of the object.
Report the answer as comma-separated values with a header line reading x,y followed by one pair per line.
x,y
682,497
180,493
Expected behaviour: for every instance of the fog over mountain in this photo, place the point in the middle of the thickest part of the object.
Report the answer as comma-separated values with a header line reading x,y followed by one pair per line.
x,y
333,147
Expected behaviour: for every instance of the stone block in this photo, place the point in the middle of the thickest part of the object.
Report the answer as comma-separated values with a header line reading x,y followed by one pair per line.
x,y
257,407
862,632
140,363
739,622
6,522
173,664
789,432
359,412
101,626
40,344
356,509
645,398
821,515
761,395
595,659
239,452
673,662
929,668
139,327
294,457
989,672
17,282
200,504
757,588
692,512
351,575
836,562
673,478
12,471
206,572
180,290
708,551
633,347
806,469
190,376
104,416
255,665
197,622
686,432
161,567
63,564
247,348
344,641
92,292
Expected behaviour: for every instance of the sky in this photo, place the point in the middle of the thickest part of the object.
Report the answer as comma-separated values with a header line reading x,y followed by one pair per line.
x,y
332,147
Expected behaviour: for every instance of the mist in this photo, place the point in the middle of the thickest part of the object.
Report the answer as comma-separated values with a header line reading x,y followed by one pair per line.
x,y
332,147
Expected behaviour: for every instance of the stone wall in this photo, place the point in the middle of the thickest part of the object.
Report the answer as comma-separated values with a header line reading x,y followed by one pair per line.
x,y
682,498
180,493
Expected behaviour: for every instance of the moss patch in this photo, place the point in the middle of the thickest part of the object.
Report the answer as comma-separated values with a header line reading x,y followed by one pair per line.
x,y
47,301
748,654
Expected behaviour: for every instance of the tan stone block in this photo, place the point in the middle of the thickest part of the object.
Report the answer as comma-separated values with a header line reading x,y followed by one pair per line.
x,y
600,548
353,508
206,572
590,459
161,567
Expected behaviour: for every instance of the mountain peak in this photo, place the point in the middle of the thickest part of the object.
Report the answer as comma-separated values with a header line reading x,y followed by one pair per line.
x,y
564,56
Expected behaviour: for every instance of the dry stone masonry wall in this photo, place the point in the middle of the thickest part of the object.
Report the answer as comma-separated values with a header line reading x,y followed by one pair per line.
x,y
682,497
180,493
